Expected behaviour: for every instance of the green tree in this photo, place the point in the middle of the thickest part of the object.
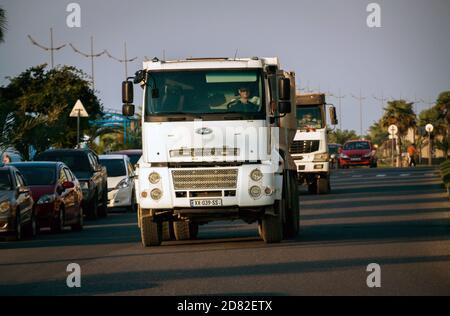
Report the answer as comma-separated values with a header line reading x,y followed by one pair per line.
x,y
35,107
377,133
400,113
439,117
2,24
339,136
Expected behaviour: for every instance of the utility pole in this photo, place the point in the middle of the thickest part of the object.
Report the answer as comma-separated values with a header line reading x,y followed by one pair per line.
x,y
360,99
91,56
125,60
52,49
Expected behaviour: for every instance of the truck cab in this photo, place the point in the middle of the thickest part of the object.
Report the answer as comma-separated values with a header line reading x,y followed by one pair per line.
x,y
215,135
310,148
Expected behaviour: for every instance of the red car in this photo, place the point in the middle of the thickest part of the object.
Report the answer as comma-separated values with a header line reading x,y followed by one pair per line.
x,y
56,192
357,153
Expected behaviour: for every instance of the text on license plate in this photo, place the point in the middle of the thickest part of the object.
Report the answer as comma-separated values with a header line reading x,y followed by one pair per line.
x,y
203,203
355,159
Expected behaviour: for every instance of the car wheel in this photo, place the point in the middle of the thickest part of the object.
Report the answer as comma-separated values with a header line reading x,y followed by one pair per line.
x,y
104,208
32,227
133,207
93,207
79,225
58,224
18,229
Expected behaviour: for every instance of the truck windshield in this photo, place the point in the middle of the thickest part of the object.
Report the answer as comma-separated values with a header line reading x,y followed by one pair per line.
x,y
206,92
309,117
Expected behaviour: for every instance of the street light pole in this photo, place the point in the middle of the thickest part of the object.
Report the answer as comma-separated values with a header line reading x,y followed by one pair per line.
x,y
52,49
360,99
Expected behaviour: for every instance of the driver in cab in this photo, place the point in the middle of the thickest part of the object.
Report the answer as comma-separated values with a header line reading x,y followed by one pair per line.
x,y
243,104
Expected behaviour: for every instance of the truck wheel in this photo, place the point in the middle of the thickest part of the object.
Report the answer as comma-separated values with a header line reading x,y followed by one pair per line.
x,y
181,230
323,186
151,232
291,225
312,188
167,231
260,233
193,230
272,229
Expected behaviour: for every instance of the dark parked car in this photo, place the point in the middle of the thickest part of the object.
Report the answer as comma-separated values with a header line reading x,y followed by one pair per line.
x,y
56,192
133,154
358,153
91,174
16,205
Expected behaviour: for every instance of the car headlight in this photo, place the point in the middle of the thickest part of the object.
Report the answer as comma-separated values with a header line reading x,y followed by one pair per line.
x,y
46,199
154,177
321,157
156,194
124,183
256,175
5,207
255,191
333,156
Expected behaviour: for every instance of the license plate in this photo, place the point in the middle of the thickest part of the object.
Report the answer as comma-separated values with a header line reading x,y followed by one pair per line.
x,y
355,159
206,203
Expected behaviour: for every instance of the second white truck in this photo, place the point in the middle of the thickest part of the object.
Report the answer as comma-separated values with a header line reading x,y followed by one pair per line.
x,y
310,146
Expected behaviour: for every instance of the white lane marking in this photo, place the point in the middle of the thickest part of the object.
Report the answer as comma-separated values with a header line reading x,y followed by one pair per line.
x,y
357,176
380,175
405,175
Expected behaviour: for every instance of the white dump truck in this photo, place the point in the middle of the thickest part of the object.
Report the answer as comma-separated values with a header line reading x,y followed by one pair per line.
x,y
216,134
310,146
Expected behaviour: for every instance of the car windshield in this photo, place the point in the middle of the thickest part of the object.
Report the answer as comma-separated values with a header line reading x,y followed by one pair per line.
x,y
309,117
114,167
206,92
38,175
5,181
357,146
75,161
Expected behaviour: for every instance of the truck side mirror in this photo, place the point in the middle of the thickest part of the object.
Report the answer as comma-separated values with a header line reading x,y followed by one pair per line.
x,y
284,88
127,92
139,76
333,116
284,107
128,109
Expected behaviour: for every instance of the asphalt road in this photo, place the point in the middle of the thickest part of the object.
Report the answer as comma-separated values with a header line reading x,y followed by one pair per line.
x,y
399,219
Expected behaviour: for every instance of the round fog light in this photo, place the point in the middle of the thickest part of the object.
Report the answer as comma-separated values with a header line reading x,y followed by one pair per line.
x,y
256,175
156,194
255,191
268,191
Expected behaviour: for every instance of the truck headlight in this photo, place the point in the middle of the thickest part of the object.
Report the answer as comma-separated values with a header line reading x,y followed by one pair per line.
x,y
154,177
321,157
46,199
256,175
156,194
255,191
5,207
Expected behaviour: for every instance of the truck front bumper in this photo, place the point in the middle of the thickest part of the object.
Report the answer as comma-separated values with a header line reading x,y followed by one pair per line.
x,y
212,188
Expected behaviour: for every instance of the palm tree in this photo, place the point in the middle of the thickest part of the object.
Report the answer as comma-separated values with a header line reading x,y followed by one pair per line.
x,y
2,24
400,113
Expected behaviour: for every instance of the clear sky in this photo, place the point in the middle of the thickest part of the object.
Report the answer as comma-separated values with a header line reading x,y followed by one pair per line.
x,y
326,42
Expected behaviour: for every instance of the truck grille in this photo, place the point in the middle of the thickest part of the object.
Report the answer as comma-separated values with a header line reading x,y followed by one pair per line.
x,y
205,179
304,146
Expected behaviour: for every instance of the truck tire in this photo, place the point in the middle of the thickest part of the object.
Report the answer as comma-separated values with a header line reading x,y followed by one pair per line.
x,y
291,225
323,186
181,230
151,232
312,188
167,231
193,230
272,229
